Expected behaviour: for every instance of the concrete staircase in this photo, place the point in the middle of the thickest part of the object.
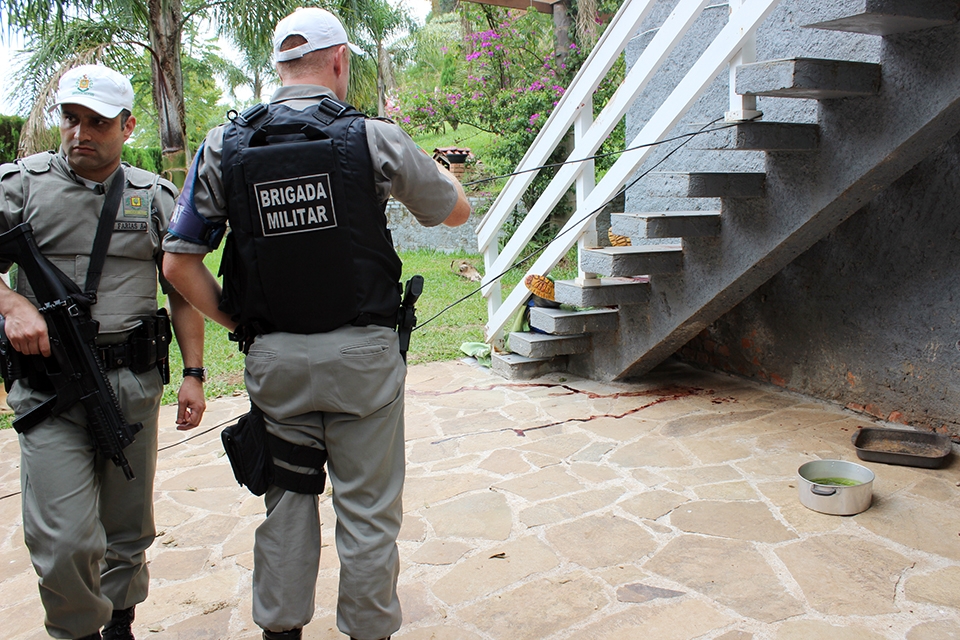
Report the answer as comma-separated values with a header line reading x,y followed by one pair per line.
x,y
876,121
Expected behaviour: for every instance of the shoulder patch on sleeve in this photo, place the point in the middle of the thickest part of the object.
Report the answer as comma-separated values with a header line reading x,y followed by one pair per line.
x,y
139,178
38,162
8,168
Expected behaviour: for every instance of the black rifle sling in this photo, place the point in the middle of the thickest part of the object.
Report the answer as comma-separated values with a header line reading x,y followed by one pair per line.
x,y
108,215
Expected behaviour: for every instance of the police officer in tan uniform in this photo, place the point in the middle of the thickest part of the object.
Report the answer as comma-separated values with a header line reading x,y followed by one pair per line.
x,y
307,220
86,526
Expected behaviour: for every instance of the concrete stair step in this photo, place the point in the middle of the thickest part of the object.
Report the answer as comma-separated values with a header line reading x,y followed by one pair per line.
x,y
560,322
810,78
760,136
544,345
887,17
633,261
610,292
513,366
705,184
666,224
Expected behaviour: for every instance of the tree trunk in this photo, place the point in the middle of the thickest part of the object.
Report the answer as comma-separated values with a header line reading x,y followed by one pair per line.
x,y
165,19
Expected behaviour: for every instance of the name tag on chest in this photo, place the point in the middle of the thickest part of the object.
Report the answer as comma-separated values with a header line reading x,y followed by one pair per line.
x,y
296,205
134,213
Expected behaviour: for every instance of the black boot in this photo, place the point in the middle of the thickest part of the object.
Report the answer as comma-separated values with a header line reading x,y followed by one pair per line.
x,y
119,626
292,634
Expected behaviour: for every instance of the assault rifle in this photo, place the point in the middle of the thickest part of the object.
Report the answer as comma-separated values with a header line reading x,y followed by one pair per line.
x,y
406,316
74,368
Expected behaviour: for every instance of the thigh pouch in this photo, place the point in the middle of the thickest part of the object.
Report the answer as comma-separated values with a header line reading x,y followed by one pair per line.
x,y
251,451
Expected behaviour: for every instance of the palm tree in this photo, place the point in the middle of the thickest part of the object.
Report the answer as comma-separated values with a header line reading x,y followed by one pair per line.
x,y
65,33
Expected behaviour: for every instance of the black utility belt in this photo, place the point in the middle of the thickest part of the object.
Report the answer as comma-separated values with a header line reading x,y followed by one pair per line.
x,y
367,319
147,347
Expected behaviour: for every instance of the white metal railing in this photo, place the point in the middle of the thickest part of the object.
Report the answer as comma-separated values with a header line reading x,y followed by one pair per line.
x,y
732,45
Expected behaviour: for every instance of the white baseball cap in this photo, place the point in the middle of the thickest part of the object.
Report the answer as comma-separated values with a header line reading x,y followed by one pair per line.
x,y
320,29
97,87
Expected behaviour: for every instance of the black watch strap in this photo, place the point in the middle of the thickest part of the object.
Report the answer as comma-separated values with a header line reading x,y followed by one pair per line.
x,y
196,372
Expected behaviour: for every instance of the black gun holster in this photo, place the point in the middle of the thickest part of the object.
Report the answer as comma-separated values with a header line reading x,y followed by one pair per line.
x,y
251,451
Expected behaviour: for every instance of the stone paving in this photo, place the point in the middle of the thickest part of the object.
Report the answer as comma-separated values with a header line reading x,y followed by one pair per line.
x,y
563,508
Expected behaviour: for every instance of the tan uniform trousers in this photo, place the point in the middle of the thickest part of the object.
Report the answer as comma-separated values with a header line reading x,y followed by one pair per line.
x,y
87,527
340,391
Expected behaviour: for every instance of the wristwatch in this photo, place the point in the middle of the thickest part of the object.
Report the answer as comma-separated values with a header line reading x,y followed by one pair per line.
x,y
196,372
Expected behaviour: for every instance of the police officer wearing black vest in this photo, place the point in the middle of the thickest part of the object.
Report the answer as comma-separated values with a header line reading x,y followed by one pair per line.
x,y
311,291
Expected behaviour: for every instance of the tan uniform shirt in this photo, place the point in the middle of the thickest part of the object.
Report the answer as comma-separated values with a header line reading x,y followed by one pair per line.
x,y
64,212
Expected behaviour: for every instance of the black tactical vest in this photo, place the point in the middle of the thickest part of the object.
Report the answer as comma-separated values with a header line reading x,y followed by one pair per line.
x,y
308,249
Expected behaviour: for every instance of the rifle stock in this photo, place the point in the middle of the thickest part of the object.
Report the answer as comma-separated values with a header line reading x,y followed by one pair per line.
x,y
74,369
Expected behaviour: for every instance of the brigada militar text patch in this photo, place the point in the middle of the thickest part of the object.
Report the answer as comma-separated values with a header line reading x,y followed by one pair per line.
x,y
295,205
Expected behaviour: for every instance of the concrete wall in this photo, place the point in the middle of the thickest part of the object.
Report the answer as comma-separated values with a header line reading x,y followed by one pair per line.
x,y
408,234
868,317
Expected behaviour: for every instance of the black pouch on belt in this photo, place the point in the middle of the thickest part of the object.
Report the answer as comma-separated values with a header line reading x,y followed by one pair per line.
x,y
246,445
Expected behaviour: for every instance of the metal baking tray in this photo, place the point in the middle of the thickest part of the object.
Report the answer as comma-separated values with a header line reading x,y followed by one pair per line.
x,y
902,446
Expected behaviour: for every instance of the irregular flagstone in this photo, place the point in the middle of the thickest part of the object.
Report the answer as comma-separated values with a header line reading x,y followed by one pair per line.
x,y
569,506
818,630
844,575
653,504
209,625
209,500
494,568
620,429
21,587
178,564
440,552
14,562
419,492
941,587
651,451
416,602
460,421
730,572
167,513
735,635
938,630
679,619
696,424
204,477
739,520
774,465
445,632
455,462
241,540
940,490
726,491
638,592
915,523
562,446
717,450
506,462
593,452
413,528
542,485
785,495
475,515
601,541
593,472
697,475
23,619
430,450
539,608
209,592
209,531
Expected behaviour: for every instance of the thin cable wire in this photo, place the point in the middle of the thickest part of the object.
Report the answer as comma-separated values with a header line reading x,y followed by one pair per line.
x,y
169,446
602,155
537,250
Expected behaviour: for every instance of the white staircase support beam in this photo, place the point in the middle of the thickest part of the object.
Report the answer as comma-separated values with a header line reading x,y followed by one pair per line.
x,y
742,24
